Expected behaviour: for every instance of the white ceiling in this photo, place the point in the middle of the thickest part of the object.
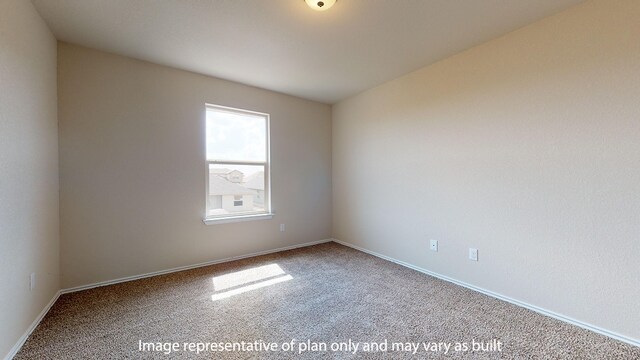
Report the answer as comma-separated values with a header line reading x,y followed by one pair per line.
x,y
285,46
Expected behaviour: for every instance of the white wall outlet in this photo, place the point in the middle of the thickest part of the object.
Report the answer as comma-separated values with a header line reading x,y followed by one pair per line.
x,y
32,281
473,254
282,227
433,245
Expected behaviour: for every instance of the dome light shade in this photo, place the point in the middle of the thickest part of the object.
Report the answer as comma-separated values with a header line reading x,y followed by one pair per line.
x,y
320,5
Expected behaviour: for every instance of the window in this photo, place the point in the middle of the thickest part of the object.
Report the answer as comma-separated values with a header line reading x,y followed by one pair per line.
x,y
237,168
237,200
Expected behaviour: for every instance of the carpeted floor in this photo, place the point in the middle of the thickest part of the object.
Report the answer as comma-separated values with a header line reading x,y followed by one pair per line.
x,y
328,294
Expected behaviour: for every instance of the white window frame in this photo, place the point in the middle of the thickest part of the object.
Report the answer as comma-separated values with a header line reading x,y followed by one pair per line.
x,y
244,216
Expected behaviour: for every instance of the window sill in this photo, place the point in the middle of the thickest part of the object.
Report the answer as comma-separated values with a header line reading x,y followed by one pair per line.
x,y
233,219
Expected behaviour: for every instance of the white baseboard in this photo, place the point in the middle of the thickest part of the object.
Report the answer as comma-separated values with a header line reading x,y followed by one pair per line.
x,y
537,309
189,267
14,350
542,311
44,311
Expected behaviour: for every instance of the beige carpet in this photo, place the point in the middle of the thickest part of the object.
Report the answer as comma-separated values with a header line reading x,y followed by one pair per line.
x,y
326,293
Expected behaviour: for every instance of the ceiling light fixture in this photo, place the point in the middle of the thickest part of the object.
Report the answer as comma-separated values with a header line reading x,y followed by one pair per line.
x,y
320,5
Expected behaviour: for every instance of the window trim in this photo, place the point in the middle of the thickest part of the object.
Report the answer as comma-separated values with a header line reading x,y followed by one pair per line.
x,y
242,216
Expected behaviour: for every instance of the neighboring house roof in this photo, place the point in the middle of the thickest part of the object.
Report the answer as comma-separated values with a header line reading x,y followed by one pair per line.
x,y
221,171
222,186
255,181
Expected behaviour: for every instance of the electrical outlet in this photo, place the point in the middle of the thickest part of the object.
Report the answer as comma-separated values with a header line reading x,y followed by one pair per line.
x,y
32,281
473,254
434,245
282,227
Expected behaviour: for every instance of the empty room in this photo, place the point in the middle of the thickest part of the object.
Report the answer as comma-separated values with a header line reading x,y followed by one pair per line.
x,y
307,179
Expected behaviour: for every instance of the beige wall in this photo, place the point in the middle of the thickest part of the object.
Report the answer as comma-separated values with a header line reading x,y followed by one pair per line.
x,y
132,171
527,148
28,169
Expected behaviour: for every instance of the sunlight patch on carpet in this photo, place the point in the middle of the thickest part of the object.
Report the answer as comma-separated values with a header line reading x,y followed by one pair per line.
x,y
243,277
244,289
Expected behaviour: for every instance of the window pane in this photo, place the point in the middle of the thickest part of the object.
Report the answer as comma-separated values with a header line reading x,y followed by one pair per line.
x,y
235,189
236,136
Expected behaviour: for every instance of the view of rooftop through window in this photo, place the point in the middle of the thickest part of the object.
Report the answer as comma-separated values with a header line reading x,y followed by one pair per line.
x,y
237,162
